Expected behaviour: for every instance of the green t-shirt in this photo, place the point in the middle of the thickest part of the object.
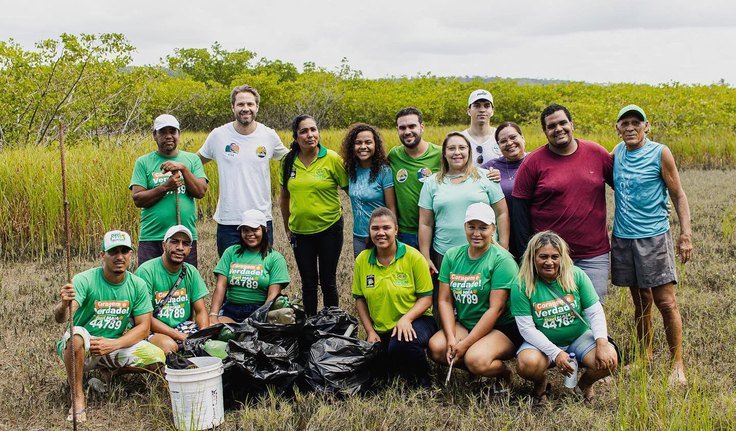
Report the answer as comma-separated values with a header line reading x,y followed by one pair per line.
x,y
390,291
550,314
178,308
159,217
409,175
472,280
105,309
449,202
249,275
314,204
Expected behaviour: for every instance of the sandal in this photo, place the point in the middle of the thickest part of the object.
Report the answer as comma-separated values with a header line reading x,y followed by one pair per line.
x,y
81,415
542,399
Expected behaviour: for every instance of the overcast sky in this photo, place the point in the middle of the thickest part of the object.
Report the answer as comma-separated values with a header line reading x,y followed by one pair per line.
x,y
654,42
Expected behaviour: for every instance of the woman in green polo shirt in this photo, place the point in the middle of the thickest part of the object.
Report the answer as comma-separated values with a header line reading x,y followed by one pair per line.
x,y
475,282
393,293
310,206
558,313
248,274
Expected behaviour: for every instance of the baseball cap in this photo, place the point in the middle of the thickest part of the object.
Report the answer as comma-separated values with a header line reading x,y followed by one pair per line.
x,y
165,120
631,108
480,95
480,211
173,230
252,218
116,238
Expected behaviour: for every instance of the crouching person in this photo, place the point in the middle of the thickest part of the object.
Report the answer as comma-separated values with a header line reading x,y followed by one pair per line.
x,y
104,301
177,291
558,313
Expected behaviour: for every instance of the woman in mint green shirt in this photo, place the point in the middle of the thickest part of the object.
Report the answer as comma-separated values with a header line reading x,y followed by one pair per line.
x,y
475,284
248,274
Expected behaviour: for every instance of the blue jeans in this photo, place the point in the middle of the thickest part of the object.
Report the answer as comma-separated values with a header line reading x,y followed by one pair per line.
x,y
408,358
596,268
228,234
358,245
238,312
409,239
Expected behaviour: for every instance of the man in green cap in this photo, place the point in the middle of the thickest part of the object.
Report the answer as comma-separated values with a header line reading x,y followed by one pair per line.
x,y
105,300
642,251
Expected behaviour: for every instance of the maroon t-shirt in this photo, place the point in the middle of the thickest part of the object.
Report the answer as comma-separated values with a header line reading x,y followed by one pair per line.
x,y
567,195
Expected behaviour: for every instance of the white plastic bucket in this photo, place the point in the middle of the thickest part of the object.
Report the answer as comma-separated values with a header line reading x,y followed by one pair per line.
x,y
196,394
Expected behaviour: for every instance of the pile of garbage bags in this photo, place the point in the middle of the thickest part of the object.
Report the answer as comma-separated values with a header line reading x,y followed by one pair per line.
x,y
278,347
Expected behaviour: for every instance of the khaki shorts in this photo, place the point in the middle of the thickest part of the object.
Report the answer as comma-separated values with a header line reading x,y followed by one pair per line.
x,y
644,263
140,354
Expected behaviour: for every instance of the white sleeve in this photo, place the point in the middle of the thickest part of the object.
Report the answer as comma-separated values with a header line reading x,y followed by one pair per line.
x,y
597,319
206,149
279,150
535,337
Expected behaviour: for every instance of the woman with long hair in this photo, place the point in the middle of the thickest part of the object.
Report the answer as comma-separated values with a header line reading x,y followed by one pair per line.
x,y
249,273
478,331
558,313
310,207
392,288
371,182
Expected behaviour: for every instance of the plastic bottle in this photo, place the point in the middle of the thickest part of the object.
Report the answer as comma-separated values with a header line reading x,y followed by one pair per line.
x,y
571,381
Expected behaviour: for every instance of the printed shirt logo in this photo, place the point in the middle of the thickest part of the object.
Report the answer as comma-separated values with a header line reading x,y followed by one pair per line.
x,y
261,151
292,174
321,174
232,149
402,175
423,174
465,287
161,177
245,275
179,295
556,313
370,281
401,279
110,314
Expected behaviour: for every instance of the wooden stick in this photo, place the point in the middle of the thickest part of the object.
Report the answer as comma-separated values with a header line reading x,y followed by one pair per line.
x,y
68,272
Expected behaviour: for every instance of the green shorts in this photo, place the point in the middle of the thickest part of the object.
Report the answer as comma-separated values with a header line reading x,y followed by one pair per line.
x,y
140,354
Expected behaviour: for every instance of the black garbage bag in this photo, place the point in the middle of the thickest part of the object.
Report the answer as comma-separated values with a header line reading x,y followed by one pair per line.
x,y
283,335
194,344
332,320
340,364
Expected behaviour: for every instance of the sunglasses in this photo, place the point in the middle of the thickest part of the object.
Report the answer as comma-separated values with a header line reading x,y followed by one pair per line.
x,y
479,150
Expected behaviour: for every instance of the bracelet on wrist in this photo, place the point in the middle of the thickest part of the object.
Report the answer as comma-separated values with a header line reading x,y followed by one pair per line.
x,y
214,314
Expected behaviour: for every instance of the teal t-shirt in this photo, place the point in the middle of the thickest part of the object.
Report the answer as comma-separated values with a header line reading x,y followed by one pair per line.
x,y
450,201
366,195
159,217
472,280
178,308
105,309
249,275
409,175
550,314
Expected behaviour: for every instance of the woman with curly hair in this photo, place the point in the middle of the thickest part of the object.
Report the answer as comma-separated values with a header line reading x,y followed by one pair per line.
x,y
371,183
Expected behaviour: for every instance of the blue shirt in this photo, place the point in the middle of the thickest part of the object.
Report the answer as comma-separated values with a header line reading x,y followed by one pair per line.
x,y
640,192
365,196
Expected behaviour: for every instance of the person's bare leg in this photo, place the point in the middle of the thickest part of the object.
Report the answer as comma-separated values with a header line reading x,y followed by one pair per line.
x,y
165,343
532,366
592,375
664,299
486,356
78,367
643,319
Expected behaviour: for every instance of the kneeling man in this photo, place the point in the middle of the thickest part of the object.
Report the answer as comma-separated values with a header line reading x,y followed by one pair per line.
x,y
176,289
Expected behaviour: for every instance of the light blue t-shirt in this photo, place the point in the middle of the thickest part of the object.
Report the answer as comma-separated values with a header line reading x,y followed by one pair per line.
x,y
449,201
366,195
640,192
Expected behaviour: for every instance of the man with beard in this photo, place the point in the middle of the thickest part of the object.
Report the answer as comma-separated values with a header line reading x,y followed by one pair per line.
x,y
105,300
243,150
176,289
562,187
158,177
412,163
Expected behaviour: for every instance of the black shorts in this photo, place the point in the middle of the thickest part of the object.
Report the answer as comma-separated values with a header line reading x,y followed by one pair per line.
x,y
511,331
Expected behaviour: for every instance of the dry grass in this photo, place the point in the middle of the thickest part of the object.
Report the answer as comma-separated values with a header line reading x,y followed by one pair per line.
x,y
35,395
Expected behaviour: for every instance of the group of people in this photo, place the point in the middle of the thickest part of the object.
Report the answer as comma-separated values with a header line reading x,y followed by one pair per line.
x,y
506,252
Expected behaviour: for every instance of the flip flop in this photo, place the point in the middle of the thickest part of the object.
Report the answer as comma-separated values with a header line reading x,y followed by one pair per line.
x,y
81,416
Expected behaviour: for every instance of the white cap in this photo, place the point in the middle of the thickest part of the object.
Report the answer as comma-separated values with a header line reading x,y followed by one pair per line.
x,y
480,211
480,95
165,120
173,230
253,218
116,238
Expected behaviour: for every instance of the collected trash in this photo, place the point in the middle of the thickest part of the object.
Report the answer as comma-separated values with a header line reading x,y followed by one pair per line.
x,y
215,348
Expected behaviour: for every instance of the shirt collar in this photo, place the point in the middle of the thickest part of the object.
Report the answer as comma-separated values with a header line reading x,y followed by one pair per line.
x,y
400,252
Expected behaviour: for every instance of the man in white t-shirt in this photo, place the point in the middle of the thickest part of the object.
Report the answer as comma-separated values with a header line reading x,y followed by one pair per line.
x,y
480,133
243,150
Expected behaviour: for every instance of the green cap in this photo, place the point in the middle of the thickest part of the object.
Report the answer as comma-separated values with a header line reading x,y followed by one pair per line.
x,y
631,108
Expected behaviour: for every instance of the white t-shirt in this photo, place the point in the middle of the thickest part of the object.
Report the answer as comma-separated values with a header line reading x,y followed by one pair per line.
x,y
490,151
243,168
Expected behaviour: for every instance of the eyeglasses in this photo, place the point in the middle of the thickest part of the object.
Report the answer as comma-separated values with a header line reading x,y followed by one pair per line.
x,y
509,140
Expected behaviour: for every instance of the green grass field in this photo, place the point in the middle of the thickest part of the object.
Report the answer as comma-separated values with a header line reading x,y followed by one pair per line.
x,y
36,396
